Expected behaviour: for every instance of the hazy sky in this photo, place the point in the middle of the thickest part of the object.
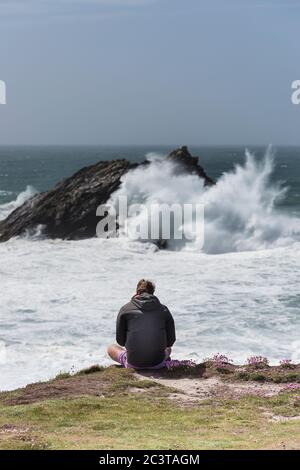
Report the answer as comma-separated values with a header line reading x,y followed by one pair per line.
x,y
149,71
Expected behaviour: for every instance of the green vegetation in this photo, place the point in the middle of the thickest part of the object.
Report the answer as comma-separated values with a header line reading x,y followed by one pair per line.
x,y
113,408
275,374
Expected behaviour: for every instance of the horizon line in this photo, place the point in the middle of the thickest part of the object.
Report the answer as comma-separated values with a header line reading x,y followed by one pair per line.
x,y
149,145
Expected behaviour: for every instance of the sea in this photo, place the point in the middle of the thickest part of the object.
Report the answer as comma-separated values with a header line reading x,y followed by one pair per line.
x,y
237,294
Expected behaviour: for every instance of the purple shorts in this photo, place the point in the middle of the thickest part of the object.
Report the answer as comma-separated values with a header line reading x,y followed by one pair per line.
x,y
123,361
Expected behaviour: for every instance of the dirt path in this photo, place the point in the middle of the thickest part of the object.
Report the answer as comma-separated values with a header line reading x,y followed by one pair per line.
x,y
114,380
192,390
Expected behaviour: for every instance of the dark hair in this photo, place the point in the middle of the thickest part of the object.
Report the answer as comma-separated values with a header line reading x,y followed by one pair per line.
x,y
144,285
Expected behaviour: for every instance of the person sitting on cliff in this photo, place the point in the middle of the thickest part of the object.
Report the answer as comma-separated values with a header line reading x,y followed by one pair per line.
x,y
145,331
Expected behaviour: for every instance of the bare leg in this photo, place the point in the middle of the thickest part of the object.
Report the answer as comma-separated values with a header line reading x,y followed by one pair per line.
x,y
114,351
168,352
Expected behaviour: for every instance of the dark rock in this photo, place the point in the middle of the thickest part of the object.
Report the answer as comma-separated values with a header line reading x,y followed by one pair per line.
x,y
182,157
69,210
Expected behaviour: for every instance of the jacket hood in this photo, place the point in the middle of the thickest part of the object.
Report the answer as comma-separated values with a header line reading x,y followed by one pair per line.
x,y
146,301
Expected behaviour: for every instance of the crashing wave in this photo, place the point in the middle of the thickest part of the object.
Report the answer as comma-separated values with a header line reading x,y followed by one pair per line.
x,y
240,211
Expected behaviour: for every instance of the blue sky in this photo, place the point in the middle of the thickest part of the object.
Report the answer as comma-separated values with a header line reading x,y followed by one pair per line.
x,y
149,71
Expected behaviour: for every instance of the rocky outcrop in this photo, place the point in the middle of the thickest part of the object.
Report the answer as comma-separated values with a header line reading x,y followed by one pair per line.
x,y
190,164
69,210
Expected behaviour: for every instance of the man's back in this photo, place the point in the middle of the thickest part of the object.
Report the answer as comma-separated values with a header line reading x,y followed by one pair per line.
x,y
146,328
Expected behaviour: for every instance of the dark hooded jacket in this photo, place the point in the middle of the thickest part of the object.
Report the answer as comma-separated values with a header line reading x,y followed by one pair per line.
x,y
146,328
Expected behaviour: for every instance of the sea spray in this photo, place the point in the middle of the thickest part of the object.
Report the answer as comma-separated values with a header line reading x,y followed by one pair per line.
x,y
155,187
8,207
59,298
241,211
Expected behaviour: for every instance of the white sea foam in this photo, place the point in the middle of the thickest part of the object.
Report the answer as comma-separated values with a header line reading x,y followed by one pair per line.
x,y
59,299
240,210
5,193
7,208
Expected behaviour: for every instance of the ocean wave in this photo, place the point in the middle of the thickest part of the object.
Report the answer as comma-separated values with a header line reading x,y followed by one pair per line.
x,y
59,300
5,193
8,207
241,212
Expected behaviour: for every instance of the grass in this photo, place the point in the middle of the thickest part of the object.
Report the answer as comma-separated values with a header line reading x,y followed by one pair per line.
x,y
129,422
139,414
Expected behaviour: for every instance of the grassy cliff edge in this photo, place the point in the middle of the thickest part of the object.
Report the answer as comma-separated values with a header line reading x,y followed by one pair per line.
x,y
205,407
